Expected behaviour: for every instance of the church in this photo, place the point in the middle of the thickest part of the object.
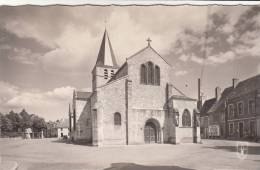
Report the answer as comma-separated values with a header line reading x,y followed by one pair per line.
x,y
135,103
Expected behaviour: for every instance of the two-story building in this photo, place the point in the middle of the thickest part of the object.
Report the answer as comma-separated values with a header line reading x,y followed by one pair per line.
x,y
243,109
235,113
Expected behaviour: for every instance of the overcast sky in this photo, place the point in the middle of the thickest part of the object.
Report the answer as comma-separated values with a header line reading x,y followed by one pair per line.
x,y
46,52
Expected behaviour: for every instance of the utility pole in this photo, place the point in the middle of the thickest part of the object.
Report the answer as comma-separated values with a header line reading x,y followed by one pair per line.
x,y
199,103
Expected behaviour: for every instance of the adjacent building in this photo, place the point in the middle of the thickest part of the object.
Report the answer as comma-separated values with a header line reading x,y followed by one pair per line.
x,y
51,130
235,113
204,117
134,103
243,109
63,128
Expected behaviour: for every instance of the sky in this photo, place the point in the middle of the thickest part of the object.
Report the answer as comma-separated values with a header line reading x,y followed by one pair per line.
x,y
47,52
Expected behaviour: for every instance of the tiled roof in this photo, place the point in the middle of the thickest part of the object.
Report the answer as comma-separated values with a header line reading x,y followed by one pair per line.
x,y
243,87
246,86
206,106
221,102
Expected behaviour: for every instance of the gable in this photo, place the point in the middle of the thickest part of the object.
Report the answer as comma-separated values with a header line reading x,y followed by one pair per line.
x,y
148,54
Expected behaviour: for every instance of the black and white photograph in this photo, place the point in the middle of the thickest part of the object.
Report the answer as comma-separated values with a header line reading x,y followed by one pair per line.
x,y
129,87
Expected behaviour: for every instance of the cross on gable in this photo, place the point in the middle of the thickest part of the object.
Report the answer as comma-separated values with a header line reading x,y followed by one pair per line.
x,y
149,41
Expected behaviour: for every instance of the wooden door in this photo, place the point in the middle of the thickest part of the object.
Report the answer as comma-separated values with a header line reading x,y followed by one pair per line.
x,y
150,133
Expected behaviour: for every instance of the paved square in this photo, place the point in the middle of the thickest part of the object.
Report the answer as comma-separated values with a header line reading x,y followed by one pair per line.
x,y
49,154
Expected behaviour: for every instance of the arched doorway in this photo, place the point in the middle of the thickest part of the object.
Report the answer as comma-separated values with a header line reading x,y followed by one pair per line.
x,y
152,132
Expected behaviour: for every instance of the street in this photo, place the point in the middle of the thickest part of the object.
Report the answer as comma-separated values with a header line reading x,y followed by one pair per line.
x,y
49,154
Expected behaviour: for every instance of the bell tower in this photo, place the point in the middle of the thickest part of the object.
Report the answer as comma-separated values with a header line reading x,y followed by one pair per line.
x,y
106,65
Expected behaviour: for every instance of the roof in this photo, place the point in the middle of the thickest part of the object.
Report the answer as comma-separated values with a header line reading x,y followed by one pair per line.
x,y
106,56
176,91
207,105
178,94
246,86
63,123
148,47
80,95
122,71
181,97
243,87
219,104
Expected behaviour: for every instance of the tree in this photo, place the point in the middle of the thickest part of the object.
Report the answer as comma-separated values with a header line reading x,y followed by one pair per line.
x,y
26,120
16,119
1,124
6,124
38,123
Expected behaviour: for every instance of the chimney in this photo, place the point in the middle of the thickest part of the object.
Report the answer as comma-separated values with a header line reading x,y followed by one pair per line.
x,y
234,82
217,93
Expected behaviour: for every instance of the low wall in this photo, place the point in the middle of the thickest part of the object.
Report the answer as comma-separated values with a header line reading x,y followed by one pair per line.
x,y
184,135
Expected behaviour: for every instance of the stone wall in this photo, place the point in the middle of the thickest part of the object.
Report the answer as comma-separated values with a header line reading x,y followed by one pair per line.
x,y
148,96
185,134
137,122
99,78
112,99
190,105
137,103
84,124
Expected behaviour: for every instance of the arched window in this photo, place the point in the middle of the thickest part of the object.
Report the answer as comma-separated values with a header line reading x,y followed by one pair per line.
x,y
150,74
117,118
157,75
143,74
186,118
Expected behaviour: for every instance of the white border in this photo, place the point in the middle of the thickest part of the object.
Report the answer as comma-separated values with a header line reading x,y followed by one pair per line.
x,y
123,2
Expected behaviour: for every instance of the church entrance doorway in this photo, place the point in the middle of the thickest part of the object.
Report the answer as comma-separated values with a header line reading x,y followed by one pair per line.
x,y
149,133
152,131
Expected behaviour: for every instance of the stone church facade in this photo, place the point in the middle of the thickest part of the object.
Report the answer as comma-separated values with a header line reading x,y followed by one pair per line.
x,y
135,103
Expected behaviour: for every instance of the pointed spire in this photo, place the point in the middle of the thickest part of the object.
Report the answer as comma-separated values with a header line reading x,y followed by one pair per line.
x,y
106,56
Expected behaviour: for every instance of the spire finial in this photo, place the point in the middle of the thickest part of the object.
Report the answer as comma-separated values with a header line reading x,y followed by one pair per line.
x,y
149,41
